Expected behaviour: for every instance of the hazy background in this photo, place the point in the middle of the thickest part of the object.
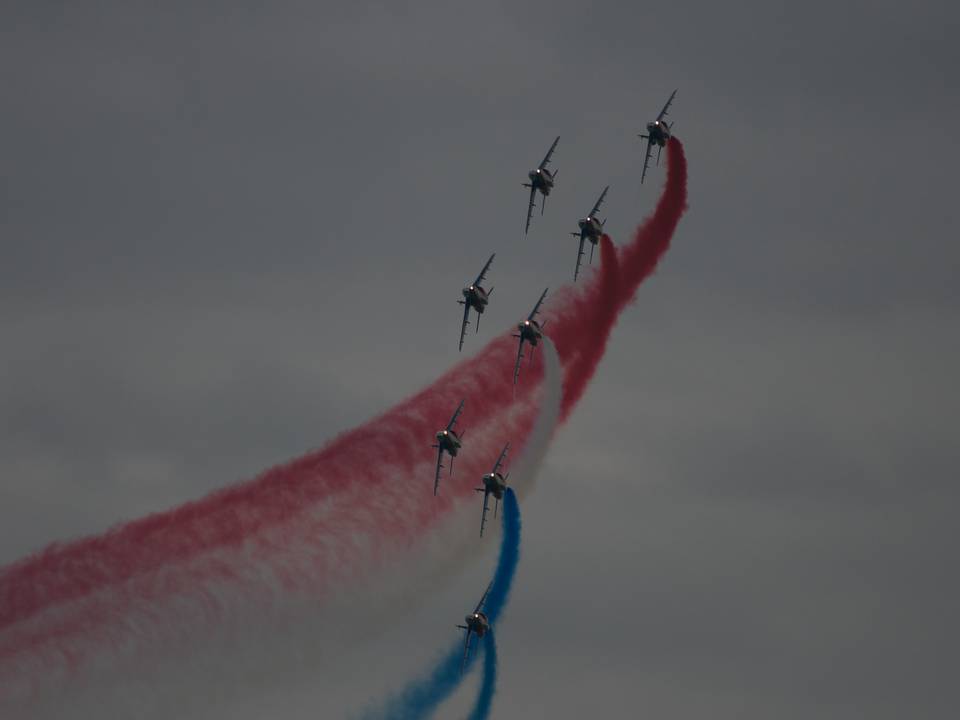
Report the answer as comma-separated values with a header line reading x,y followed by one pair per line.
x,y
230,231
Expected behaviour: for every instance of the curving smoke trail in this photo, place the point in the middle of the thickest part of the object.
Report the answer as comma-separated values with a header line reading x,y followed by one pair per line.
x,y
586,318
488,686
310,527
422,696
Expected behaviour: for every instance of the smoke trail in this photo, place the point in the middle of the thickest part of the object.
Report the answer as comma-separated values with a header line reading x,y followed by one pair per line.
x,y
314,525
421,697
581,335
488,686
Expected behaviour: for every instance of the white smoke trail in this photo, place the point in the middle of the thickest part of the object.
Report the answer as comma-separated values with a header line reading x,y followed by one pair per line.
x,y
296,655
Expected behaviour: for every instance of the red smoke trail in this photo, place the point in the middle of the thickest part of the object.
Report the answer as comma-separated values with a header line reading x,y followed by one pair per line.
x,y
312,521
581,334
357,490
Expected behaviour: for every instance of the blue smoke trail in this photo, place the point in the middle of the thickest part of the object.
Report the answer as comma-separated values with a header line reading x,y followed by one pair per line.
x,y
481,711
422,696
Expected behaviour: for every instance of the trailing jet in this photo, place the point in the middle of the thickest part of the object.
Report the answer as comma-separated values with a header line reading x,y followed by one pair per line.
x,y
477,624
530,331
540,179
449,441
475,297
591,228
494,483
658,132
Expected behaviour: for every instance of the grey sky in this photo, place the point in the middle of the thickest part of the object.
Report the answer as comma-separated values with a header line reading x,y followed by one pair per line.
x,y
230,232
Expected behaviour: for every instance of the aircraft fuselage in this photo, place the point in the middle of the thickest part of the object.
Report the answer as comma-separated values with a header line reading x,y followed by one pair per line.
x,y
530,331
477,623
476,297
591,229
495,484
541,180
449,441
659,132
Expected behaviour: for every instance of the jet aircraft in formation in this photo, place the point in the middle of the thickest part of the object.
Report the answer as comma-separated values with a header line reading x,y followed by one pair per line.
x,y
531,331
477,624
449,441
658,132
540,179
494,483
591,228
474,296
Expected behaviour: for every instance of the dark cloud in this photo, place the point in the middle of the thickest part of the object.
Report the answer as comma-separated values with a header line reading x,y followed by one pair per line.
x,y
230,232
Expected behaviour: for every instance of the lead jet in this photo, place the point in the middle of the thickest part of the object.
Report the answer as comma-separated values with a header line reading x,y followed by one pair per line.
x,y
494,483
475,297
591,228
477,624
540,179
449,441
530,331
658,132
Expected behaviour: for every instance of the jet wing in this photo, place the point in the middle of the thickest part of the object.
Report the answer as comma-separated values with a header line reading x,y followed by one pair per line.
x,y
533,196
576,270
663,113
646,159
456,414
596,208
516,367
536,308
546,158
503,454
436,479
483,515
463,326
484,271
484,598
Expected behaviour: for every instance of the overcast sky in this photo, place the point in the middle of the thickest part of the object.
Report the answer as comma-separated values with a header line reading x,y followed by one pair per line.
x,y
230,231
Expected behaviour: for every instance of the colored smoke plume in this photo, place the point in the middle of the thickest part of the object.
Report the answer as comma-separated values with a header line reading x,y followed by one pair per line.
x,y
309,527
422,696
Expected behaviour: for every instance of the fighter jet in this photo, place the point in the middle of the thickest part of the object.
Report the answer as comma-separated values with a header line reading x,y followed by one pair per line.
x,y
658,132
591,228
494,483
530,331
540,179
477,624
450,441
475,297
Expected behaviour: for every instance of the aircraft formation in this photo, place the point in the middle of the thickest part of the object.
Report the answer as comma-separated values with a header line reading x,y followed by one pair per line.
x,y
530,331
